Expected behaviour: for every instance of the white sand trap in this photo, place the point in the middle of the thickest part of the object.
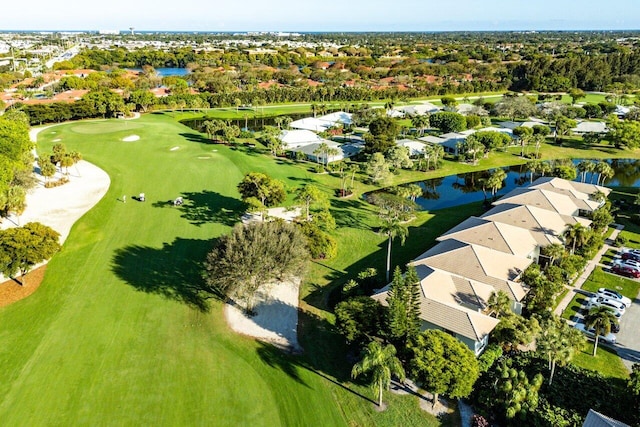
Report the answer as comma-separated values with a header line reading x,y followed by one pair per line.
x,y
131,138
56,140
204,158
215,151
276,318
174,148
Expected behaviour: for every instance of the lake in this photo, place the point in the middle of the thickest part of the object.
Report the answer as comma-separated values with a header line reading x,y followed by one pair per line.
x,y
455,190
164,72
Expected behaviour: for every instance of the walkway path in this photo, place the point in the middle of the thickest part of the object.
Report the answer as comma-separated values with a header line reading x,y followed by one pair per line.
x,y
591,265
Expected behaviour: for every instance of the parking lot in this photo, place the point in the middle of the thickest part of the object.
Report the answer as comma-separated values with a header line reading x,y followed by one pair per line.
x,y
627,339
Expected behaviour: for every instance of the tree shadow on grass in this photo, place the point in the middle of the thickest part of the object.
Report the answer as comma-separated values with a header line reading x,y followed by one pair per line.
x,y
207,206
348,213
173,271
195,137
325,355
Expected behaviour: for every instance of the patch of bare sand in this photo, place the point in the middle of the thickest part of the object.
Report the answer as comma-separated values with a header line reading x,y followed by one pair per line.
x,y
131,138
58,208
276,318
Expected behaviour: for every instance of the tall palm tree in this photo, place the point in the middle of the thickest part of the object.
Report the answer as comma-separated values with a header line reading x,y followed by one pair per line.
x,y
392,228
600,319
437,152
583,168
558,342
532,167
382,363
496,181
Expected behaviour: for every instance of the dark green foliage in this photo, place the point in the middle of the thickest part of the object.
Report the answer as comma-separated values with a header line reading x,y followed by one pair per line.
x,y
320,243
382,135
402,321
255,255
541,130
442,364
23,247
267,190
601,218
486,360
473,121
512,394
358,319
574,391
448,121
493,140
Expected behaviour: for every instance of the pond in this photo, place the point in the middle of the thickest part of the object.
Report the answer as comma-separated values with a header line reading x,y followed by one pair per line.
x,y
167,71
455,190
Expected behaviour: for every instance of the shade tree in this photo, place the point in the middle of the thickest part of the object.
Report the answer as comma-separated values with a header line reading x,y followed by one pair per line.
x,y
442,364
21,248
254,255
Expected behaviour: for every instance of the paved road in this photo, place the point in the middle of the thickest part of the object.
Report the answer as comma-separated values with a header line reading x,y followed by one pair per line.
x,y
628,339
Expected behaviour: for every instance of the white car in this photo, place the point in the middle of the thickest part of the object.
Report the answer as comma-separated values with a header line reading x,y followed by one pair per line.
x,y
616,307
609,338
631,263
614,295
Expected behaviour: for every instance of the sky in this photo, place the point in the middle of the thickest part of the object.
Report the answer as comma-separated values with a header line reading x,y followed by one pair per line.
x,y
324,15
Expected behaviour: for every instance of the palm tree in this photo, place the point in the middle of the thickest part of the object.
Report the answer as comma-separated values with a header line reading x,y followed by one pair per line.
x,y
382,363
583,167
558,342
532,167
331,152
419,122
437,151
496,181
576,235
499,303
600,319
554,251
392,228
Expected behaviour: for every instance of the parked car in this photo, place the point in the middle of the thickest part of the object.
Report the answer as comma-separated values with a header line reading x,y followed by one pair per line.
x,y
625,270
614,295
591,333
631,255
615,327
616,307
631,263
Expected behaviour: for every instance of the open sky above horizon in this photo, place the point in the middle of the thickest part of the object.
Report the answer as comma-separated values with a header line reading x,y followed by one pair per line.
x,y
328,15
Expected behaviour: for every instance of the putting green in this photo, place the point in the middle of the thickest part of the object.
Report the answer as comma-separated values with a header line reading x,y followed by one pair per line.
x,y
117,334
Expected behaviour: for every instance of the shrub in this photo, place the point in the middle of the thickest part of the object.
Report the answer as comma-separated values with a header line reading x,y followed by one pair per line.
x,y
321,245
486,360
621,241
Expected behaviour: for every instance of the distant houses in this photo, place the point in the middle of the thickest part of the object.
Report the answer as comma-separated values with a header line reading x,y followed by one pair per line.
x,y
487,254
304,138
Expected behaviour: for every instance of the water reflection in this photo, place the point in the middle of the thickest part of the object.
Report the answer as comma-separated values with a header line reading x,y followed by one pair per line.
x,y
455,190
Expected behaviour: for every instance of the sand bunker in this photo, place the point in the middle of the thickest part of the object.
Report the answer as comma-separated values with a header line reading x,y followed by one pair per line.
x,y
276,318
131,138
56,140
174,148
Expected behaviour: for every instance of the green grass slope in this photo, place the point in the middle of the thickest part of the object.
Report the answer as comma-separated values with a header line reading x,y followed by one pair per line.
x,y
118,334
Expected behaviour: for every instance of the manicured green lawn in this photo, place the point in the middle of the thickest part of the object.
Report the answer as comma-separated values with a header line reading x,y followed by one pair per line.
x,y
605,362
118,332
600,279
